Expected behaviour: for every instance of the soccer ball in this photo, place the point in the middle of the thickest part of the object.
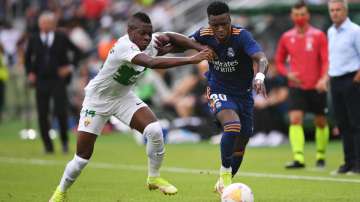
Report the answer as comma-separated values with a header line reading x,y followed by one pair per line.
x,y
237,192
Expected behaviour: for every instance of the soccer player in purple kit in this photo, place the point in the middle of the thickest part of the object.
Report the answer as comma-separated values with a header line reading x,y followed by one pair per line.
x,y
230,83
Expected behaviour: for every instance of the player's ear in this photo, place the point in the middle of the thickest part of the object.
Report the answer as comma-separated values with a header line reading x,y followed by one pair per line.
x,y
229,18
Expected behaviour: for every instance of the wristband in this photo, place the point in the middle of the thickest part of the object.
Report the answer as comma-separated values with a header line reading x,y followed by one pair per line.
x,y
260,76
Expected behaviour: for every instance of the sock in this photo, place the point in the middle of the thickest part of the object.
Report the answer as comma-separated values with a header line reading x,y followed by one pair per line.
x,y
72,171
154,148
236,162
297,141
223,169
322,139
231,131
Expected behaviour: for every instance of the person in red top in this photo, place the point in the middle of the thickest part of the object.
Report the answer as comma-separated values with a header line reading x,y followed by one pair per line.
x,y
304,48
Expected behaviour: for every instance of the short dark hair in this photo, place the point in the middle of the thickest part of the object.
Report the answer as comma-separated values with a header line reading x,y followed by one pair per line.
x,y
299,4
217,8
143,17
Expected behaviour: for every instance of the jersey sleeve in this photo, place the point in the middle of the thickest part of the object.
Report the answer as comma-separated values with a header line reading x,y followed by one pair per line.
x,y
125,52
196,36
248,43
280,56
324,53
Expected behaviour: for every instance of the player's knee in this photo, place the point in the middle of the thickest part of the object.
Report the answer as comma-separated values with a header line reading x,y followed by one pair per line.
x,y
79,163
153,132
85,154
85,151
154,135
238,154
232,127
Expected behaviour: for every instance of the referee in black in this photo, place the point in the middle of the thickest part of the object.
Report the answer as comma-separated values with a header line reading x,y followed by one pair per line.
x,y
48,69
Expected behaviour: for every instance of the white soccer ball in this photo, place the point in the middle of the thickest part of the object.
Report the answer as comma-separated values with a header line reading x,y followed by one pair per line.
x,y
237,192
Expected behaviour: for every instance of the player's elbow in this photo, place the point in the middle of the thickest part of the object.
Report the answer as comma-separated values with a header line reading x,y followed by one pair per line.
x,y
153,63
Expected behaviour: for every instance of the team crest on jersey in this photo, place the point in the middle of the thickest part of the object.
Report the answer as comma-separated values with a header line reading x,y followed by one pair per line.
x,y
87,122
230,52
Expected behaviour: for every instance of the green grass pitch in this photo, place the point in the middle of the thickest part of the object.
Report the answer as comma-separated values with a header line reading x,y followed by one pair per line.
x,y
117,172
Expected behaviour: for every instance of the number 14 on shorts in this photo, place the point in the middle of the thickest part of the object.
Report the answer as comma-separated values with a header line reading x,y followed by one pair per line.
x,y
89,112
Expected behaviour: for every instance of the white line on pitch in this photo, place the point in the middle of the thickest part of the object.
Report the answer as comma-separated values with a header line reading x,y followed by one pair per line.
x,y
176,170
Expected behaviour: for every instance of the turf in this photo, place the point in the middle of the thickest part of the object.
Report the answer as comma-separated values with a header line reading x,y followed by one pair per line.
x,y
117,172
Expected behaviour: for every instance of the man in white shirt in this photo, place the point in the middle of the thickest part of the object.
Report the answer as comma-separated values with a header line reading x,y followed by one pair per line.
x,y
109,93
344,72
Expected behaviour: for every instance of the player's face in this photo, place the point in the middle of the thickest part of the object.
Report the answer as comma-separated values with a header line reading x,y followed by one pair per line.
x,y
338,12
220,25
141,35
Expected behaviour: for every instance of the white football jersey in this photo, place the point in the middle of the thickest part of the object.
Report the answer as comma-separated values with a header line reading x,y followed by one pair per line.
x,y
117,75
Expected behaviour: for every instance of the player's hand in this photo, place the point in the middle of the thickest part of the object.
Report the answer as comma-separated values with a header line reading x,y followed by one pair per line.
x,y
260,102
260,88
161,40
356,78
321,85
165,49
206,54
213,52
162,44
293,76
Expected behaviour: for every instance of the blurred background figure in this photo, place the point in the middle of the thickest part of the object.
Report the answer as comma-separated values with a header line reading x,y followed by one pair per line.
x,y
9,37
344,72
306,48
49,69
4,75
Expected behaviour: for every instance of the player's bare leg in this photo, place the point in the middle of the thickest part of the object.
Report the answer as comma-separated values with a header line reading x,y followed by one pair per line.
x,y
145,122
84,150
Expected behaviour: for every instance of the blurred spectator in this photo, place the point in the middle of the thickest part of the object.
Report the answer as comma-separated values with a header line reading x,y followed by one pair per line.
x,y
105,37
161,17
3,77
189,99
152,89
9,37
188,96
79,36
306,48
92,10
344,72
49,70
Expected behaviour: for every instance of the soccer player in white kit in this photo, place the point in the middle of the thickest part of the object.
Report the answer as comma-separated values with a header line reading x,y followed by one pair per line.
x,y
110,94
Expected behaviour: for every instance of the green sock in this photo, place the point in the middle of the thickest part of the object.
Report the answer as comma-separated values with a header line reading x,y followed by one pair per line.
x,y
297,141
322,139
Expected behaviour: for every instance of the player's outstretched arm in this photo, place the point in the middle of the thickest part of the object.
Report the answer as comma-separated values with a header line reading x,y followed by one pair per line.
x,y
168,62
177,42
260,71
